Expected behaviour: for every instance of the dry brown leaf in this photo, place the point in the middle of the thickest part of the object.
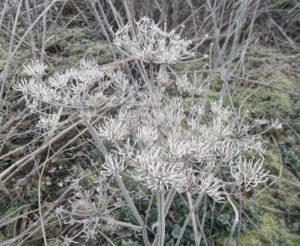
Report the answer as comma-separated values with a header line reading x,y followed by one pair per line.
x,y
19,153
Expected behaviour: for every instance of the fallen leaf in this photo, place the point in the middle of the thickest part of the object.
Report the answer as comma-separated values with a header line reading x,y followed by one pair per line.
x,y
24,124
236,196
51,167
295,52
265,74
18,153
172,216
252,85
288,72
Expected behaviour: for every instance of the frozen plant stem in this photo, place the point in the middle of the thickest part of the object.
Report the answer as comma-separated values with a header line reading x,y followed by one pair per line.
x,y
161,215
149,207
236,220
40,204
190,201
98,141
44,31
169,200
119,180
201,225
151,76
192,211
133,208
167,204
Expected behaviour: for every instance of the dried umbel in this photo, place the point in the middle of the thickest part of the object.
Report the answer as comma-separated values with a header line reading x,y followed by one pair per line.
x,y
248,173
195,182
113,129
84,89
193,86
114,164
47,122
155,170
89,210
35,69
189,152
150,43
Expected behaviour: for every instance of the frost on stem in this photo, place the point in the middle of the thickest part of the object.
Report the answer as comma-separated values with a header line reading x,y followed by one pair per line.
x,y
151,44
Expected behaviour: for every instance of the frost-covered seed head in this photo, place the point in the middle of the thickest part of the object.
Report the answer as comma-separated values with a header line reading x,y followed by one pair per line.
x,y
248,173
151,44
86,88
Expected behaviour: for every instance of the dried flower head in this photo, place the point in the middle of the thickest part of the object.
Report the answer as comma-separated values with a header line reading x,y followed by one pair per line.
x,y
89,210
151,44
113,129
113,164
36,69
248,173
196,182
212,186
47,122
84,89
190,182
154,169
191,86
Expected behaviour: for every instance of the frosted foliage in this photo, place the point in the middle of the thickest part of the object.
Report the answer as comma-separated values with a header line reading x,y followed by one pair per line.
x,y
151,44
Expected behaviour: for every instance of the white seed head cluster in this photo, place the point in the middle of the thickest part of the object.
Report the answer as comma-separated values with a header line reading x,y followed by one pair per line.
x,y
47,122
248,173
91,208
196,182
152,44
160,142
191,152
84,89
191,86
165,146
113,129
36,69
